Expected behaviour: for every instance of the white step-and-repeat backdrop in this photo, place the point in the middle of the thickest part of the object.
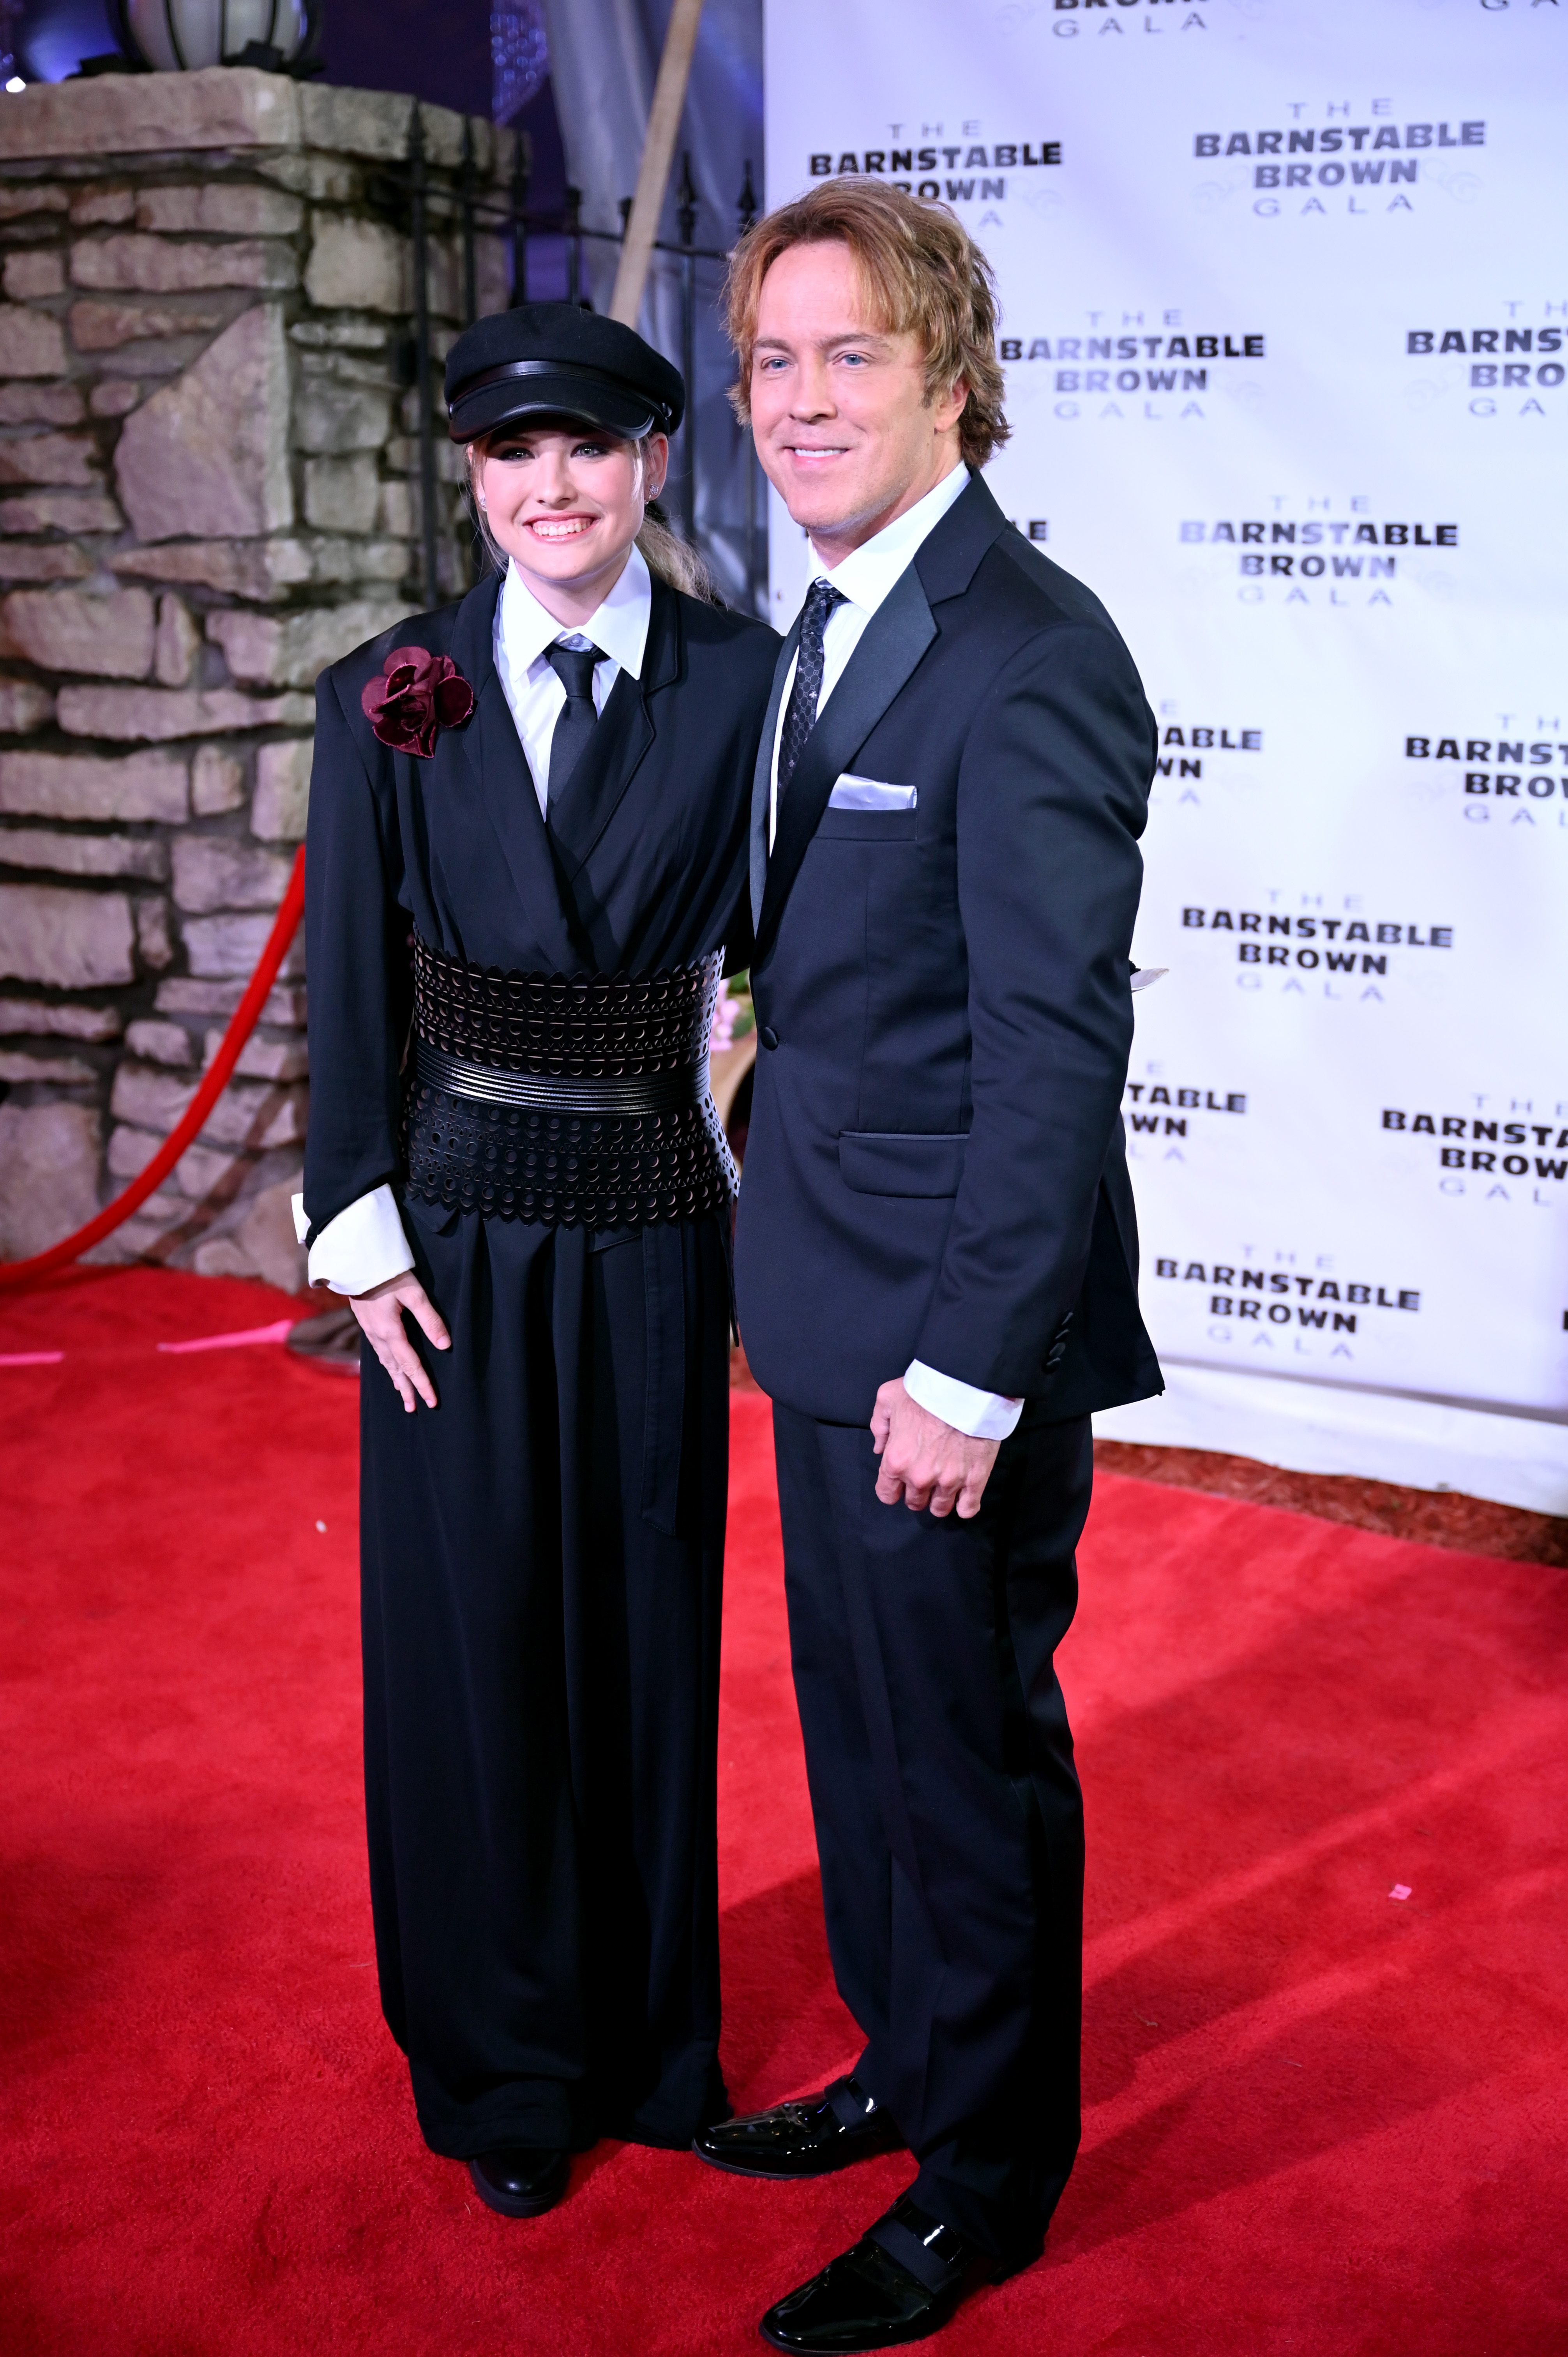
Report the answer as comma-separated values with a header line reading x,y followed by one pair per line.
x,y
1285,319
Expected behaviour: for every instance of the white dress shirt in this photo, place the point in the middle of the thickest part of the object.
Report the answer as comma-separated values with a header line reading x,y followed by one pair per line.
x,y
864,579
523,631
365,1244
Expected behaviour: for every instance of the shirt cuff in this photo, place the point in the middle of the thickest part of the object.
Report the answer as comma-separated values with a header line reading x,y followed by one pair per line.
x,y
984,1415
360,1248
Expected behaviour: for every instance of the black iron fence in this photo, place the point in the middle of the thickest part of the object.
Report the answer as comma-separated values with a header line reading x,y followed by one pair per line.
x,y
458,207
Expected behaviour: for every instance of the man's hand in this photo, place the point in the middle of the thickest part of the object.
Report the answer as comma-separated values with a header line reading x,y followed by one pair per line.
x,y
925,1461
380,1313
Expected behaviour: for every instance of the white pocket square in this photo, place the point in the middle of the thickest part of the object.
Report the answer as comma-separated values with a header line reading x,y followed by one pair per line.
x,y
870,794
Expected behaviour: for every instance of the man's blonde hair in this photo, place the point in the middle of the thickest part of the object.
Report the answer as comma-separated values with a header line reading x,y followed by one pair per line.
x,y
923,275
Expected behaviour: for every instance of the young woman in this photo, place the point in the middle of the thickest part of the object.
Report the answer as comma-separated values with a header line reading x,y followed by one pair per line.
x,y
527,858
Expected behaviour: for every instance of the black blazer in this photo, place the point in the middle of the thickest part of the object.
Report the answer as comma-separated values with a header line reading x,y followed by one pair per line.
x,y
642,866
936,1165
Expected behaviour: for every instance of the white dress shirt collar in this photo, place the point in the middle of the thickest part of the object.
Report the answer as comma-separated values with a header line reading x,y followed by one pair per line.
x,y
618,629
864,579
867,573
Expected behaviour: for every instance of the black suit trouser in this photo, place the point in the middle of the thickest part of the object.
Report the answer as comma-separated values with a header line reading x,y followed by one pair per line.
x,y
949,1820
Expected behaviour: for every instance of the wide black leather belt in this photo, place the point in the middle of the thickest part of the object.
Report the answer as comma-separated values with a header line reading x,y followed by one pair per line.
x,y
612,1095
569,1098
523,1028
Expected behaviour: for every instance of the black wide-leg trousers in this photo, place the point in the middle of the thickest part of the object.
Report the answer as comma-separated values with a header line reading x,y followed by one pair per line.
x,y
948,1819
542,1568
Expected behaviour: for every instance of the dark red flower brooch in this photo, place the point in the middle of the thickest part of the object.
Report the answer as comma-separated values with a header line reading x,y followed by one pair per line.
x,y
417,694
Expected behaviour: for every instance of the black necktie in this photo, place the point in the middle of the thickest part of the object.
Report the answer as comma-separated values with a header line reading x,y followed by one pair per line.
x,y
802,716
573,667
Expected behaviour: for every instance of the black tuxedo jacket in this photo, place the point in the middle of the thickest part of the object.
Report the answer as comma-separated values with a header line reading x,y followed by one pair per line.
x,y
936,1167
642,865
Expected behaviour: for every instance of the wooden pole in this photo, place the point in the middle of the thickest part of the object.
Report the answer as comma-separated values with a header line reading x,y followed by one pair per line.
x,y
658,155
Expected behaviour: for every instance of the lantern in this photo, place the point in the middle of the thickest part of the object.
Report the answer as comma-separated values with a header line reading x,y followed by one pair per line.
x,y
180,36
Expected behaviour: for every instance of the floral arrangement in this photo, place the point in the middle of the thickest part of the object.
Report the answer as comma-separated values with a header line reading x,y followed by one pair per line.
x,y
734,1015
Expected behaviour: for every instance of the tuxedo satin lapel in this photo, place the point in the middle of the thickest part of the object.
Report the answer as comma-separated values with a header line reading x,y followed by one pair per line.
x,y
894,641
473,633
762,776
496,764
947,558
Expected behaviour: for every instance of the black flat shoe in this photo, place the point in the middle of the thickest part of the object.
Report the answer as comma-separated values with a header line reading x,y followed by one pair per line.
x,y
901,2281
810,2138
519,2181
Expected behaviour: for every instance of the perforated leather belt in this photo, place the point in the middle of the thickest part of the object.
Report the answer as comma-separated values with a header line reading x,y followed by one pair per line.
x,y
610,1095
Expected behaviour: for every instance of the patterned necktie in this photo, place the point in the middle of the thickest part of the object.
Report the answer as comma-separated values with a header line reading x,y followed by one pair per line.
x,y
802,716
573,667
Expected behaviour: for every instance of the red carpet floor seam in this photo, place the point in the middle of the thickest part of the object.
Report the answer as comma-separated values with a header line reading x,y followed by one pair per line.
x,y
1321,2118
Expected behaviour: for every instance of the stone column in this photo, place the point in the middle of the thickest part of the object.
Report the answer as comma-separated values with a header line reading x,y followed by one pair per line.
x,y
208,488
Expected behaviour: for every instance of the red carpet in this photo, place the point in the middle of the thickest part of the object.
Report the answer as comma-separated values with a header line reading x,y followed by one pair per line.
x,y
1320,2119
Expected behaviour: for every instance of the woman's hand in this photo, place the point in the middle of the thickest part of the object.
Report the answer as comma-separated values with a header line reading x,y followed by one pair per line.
x,y
380,1312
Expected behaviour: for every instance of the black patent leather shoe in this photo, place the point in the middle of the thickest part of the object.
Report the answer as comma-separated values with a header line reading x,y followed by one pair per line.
x,y
810,2138
901,2281
519,2181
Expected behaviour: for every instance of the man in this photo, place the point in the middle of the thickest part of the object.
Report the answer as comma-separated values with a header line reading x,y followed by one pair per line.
x,y
936,1235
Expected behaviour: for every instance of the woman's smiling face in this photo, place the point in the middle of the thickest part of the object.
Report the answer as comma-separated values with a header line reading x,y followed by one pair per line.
x,y
565,501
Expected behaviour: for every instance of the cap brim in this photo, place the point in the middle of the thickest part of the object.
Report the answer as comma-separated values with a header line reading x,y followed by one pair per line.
x,y
618,411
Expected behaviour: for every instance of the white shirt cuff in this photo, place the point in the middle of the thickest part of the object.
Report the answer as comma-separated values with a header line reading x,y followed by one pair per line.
x,y
360,1248
984,1415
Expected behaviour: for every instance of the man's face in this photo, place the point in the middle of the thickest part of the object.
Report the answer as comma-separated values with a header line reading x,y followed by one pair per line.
x,y
838,406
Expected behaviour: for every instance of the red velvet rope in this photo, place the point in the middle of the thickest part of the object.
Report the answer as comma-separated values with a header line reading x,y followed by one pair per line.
x,y
213,1082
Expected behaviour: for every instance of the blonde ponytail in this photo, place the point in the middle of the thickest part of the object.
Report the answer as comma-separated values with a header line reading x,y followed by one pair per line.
x,y
675,560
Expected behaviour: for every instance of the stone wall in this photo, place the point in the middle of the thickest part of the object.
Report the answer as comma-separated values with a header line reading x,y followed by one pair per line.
x,y
208,488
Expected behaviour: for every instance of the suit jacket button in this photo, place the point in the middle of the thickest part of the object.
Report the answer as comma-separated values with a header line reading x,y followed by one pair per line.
x,y
769,1037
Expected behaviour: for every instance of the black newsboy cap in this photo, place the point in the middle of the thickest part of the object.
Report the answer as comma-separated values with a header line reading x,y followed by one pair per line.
x,y
549,359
